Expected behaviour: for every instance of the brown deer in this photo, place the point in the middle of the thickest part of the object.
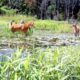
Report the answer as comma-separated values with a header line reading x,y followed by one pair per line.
x,y
23,27
76,29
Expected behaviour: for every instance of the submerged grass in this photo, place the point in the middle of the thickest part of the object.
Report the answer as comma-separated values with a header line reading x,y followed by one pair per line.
x,y
61,63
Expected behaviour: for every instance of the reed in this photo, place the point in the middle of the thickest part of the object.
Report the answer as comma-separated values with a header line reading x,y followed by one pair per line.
x,y
62,63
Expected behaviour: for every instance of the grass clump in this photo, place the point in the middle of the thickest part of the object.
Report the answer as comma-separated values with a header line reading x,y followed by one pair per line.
x,y
55,26
61,63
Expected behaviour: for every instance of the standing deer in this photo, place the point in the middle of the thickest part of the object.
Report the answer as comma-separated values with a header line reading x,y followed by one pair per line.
x,y
23,27
76,29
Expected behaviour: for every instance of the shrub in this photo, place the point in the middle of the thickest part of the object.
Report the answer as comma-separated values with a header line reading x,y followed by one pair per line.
x,y
7,11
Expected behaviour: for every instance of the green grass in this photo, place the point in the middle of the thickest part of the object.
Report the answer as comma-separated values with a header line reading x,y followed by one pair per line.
x,y
5,22
61,63
54,26
5,19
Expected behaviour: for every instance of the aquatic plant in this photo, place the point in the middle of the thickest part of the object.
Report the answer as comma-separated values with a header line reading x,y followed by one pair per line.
x,y
62,63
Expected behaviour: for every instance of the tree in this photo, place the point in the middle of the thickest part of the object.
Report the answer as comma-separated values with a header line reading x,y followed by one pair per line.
x,y
3,2
31,5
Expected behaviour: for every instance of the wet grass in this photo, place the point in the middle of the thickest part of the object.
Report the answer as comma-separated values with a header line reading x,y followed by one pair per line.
x,y
61,63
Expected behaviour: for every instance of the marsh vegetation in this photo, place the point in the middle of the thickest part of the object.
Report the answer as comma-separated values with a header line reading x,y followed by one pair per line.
x,y
51,52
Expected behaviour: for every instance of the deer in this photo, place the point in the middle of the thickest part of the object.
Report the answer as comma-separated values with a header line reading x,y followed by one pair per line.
x,y
76,29
23,26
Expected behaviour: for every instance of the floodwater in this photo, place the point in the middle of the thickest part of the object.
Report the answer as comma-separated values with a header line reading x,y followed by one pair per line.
x,y
39,38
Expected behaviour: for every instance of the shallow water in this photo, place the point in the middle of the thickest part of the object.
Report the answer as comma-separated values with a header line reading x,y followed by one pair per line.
x,y
6,51
40,38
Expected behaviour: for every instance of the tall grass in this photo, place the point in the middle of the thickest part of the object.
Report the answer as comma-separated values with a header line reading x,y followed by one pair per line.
x,y
61,63
55,26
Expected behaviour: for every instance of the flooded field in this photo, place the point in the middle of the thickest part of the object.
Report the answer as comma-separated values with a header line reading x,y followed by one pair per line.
x,y
40,38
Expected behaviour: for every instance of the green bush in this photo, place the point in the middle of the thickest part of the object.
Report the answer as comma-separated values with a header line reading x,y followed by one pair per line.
x,y
7,11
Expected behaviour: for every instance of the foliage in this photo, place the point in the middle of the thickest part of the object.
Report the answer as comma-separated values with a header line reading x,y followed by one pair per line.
x,y
44,8
3,2
55,26
30,31
7,11
58,64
